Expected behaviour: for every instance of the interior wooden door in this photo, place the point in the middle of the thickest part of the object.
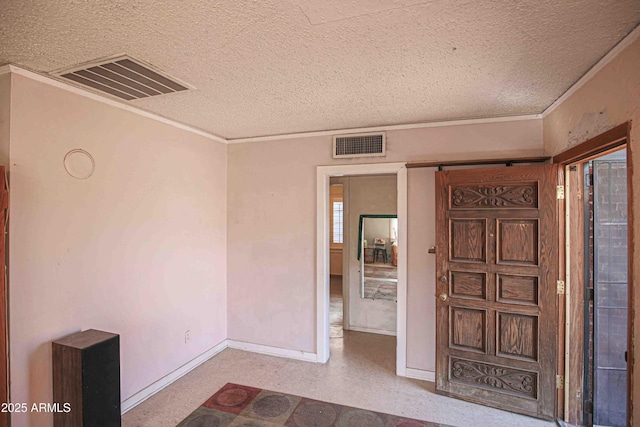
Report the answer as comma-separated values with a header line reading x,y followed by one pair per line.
x,y
496,287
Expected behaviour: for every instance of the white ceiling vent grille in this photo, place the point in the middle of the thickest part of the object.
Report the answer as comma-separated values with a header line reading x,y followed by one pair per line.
x,y
123,77
359,145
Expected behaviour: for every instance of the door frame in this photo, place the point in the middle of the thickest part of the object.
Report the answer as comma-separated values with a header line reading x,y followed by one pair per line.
x,y
323,175
611,140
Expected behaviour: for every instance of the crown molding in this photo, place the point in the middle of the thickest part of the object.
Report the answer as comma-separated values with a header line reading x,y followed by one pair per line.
x,y
5,69
105,100
384,128
603,62
119,104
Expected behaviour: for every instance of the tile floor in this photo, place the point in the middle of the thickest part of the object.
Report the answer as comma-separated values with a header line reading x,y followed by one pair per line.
x,y
360,373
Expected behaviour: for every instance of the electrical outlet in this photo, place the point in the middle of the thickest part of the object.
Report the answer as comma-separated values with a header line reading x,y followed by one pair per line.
x,y
187,336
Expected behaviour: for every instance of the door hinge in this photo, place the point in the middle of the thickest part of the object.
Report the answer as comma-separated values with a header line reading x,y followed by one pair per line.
x,y
560,287
559,381
560,192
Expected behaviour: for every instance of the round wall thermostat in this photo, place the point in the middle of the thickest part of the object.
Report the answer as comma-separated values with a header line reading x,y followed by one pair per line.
x,y
79,164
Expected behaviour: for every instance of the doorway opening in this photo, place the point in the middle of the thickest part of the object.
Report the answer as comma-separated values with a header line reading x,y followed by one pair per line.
x,y
606,289
324,175
595,294
363,294
336,242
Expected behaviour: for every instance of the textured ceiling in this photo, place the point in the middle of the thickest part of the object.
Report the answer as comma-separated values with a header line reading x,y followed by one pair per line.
x,y
285,66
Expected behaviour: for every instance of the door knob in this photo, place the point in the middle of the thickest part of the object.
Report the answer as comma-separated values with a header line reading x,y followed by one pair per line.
x,y
443,297
443,279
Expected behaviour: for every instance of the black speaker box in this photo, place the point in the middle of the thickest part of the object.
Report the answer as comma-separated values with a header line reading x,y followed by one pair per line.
x,y
86,380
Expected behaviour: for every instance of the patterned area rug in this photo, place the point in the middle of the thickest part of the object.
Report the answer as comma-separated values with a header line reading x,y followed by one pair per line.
x,y
381,271
381,282
238,405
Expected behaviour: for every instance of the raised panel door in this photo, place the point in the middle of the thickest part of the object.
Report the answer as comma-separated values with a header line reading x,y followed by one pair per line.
x,y
496,272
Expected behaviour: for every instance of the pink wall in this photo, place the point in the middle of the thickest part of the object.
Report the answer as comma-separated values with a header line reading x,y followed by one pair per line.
x,y
608,99
272,223
138,249
421,266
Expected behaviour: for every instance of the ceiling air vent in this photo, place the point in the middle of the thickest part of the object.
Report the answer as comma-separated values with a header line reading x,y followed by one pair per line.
x,y
359,145
124,77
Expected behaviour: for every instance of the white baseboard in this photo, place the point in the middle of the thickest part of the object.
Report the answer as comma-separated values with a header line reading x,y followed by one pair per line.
x,y
163,382
372,330
273,351
419,374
